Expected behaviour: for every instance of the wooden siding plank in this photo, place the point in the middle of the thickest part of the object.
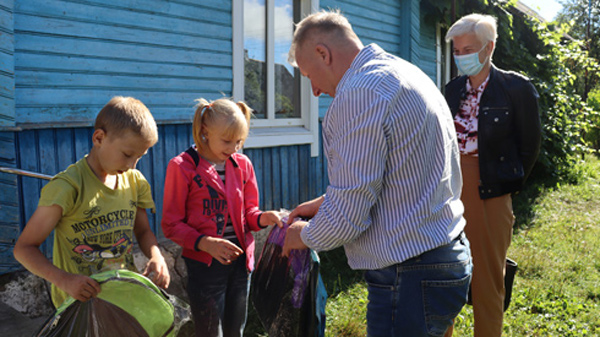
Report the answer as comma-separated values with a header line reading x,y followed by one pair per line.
x,y
83,141
7,261
10,212
9,204
292,163
66,45
8,235
286,176
7,85
26,24
65,150
75,64
53,104
7,69
267,174
177,9
276,178
7,64
159,162
6,18
428,50
184,139
41,79
47,152
304,170
7,149
29,160
8,197
7,5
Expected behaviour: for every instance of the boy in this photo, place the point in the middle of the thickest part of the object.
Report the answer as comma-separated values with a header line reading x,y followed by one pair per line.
x,y
95,206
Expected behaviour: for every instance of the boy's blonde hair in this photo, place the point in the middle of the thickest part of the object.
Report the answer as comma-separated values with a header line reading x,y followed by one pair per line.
x,y
233,118
123,114
324,22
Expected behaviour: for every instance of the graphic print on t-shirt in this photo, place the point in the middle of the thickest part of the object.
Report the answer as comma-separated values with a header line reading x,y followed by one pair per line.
x,y
104,240
215,207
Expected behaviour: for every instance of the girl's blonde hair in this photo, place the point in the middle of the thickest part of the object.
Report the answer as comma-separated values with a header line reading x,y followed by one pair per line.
x,y
232,118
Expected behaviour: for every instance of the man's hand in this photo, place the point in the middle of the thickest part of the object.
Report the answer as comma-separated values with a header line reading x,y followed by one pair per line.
x,y
306,209
293,239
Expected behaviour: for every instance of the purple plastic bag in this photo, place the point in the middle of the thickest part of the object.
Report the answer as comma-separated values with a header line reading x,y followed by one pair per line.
x,y
288,293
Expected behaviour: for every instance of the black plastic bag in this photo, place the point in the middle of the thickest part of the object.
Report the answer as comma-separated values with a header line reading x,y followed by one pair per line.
x,y
288,293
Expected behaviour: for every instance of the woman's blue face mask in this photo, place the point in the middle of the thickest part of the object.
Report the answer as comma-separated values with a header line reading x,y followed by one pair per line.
x,y
469,64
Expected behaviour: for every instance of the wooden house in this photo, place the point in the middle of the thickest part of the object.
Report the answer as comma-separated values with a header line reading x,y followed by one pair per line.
x,y
62,60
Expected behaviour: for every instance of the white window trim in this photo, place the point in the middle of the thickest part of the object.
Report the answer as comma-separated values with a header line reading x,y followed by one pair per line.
x,y
275,132
439,44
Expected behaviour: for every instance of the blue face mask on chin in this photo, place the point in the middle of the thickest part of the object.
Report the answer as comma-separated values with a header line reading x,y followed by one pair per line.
x,y
469,64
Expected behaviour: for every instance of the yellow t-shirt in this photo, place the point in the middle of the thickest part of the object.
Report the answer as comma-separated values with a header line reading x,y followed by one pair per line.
x,y
95,232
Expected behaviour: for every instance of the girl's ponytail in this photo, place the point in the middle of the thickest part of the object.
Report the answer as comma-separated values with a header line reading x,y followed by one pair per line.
x,y
245,110
202,108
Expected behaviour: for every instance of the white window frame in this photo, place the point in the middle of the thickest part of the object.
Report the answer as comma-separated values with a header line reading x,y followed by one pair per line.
x,y
443,75
271,131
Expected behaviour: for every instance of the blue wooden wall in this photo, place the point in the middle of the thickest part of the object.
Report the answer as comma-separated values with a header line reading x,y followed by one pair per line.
x,y
72,56
7,65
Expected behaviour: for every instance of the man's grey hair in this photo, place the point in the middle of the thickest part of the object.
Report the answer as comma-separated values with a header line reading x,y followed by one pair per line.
x,y
330,22
483,26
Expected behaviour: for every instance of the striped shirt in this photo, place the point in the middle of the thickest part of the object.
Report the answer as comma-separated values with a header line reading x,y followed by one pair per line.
x,y
393,165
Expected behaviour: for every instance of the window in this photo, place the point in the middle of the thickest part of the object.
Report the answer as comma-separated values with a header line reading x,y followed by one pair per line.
x,y
285,112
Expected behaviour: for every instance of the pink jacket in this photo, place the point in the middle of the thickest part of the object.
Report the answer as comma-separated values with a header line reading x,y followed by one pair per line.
x,y
196,200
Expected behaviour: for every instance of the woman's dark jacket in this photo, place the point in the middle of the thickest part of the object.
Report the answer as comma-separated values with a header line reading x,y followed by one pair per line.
x,y
509,130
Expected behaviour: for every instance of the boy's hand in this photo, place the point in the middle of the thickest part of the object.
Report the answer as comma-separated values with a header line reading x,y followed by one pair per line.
x,y
270,218
80,287
158,271
223,250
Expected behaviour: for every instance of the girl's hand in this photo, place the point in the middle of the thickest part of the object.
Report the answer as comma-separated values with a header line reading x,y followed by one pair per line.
x,y
222,250
157,270
270,218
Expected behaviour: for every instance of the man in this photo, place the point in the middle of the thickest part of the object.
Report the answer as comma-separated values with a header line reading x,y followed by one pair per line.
x,y
499,134
394,196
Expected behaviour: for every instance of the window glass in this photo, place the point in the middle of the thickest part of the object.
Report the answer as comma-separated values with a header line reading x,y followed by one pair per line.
x,y
286,79
255,56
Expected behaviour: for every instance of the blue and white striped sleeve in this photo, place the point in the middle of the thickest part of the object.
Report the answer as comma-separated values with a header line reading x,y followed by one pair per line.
x,y
357,152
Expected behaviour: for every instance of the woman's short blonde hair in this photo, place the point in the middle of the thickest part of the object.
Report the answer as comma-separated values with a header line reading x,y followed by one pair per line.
x,y
483,26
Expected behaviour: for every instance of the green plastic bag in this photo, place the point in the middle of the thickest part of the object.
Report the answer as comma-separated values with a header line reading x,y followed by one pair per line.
x,y
128,305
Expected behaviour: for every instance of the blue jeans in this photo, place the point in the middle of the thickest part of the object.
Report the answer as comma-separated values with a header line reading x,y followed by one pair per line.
x,y
218,297
420,296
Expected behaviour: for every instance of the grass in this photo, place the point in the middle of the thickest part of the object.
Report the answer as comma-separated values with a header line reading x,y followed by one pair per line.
x,y
556,243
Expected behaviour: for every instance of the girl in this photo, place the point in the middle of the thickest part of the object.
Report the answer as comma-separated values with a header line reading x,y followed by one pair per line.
x,y
210,207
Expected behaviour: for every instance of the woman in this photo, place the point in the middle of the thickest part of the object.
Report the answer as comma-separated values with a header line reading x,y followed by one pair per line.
x,y
499,134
